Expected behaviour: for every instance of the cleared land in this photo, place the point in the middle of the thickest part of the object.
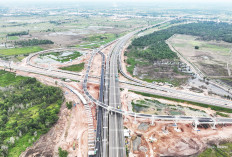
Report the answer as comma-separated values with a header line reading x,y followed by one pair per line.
x,y
157,108
95,41
211,57
169,138
163,63
61,56
69,30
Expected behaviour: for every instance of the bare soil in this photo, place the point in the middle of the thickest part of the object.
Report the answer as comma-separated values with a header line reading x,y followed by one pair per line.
x,y
71,128
168,141
161,72
211,58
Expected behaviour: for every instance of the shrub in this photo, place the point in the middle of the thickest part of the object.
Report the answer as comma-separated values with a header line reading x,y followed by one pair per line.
x,y
62,153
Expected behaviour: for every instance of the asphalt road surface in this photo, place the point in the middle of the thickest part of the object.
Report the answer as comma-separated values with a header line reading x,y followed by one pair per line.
x,y
116,132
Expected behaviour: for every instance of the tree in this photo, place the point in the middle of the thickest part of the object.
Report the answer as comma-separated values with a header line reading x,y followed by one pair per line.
x,y
62,153
197,47
69,105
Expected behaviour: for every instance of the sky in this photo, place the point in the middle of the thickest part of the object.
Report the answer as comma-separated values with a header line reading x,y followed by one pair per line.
x,y
131,1
128,2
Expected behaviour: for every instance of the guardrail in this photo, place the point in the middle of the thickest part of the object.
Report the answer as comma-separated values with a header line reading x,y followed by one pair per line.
x,y
132,114
188,96
28,61
91,141
87,75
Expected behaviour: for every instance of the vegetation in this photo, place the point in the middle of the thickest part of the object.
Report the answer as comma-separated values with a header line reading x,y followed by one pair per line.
x,y
13,38
19,51
75,67
153,47
27,110
69,105
7,79
132,62
174,81
223,150
18,33
33,42
222,114
62,153
215,108
97,40
61,58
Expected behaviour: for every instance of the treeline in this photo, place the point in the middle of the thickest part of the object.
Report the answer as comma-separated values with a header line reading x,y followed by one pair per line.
x,y
153,47
33,42
18,33
27,109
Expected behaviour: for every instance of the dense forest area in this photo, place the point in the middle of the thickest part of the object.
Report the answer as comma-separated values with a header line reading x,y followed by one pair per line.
x,y
18,33
153,47
33,42
27,110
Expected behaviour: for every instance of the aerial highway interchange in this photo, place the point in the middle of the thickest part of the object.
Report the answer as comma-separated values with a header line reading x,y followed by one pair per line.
x,y
109,135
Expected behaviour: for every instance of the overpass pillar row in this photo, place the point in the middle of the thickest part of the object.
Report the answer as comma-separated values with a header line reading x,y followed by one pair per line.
x,y
152,121
214,126
196,123
135,122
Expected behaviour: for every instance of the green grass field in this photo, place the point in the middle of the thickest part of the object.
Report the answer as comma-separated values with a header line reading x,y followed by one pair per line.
x,y
95,41
76,67
187,41
223,150
13,38
19,51
7,78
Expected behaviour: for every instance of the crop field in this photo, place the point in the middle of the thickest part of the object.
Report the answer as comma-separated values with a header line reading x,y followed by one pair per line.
x,y
19,51
211,57
69,30
13,38
75,67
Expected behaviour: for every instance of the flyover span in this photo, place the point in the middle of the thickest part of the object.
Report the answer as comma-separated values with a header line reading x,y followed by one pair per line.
x,y
28,61
168,92
194,120
88,69
91,137
172,93
101,121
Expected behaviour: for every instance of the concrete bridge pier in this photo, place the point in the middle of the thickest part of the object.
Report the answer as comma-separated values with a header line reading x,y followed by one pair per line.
x,y
196,123
135,122
214,126
152,121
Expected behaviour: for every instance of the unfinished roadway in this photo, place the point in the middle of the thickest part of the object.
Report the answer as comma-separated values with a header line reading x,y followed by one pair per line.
x,y
116,148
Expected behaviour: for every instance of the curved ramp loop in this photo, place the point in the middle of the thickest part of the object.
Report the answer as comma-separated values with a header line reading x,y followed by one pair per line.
x,y
91,133
132,114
